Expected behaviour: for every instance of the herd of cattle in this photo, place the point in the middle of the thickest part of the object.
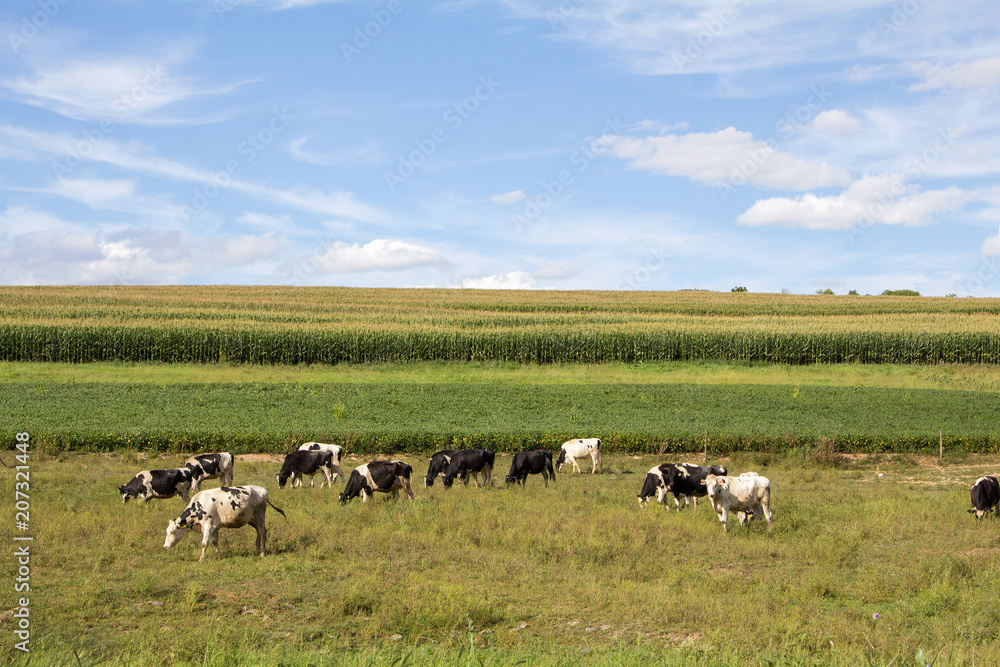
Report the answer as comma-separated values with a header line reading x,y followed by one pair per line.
x,y
748,495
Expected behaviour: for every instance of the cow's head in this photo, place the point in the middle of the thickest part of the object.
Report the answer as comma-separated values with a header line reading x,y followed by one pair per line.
x,y
716,485
561,460
176,529
125,494
282,477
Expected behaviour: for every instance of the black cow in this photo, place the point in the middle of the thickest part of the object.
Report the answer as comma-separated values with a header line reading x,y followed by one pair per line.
x,y
438,466
531,462
985,495
336,450
304,462
688,480
470,462
211,466
655,484
381,476
158,484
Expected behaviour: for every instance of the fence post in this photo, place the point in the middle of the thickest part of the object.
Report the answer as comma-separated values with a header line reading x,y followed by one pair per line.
x,y
706,445
941,443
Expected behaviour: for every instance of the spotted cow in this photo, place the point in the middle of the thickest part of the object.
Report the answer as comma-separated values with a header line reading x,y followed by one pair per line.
x,y
211,466
380,476
225,507
158,484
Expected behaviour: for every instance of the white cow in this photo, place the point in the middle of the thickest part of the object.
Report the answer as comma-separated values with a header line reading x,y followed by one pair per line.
x,y
338,452
743,494
578,449
225,507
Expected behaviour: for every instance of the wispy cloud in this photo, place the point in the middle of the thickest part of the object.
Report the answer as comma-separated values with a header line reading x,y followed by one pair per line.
x,y
130,88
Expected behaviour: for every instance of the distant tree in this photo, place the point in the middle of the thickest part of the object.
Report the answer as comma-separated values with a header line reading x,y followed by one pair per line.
x,y
785,290
738,289
900,292
824,291
950,295
853,292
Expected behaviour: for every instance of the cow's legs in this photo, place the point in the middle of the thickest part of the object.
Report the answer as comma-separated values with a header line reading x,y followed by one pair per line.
x,y
261,526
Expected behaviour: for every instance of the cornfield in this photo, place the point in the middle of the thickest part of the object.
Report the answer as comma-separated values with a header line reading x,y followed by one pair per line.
x,y
269,325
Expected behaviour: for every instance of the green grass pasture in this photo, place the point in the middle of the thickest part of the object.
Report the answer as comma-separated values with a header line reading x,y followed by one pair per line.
x,y
572,574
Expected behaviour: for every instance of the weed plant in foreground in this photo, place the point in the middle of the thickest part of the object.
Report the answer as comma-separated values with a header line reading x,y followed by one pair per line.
x,y
576,573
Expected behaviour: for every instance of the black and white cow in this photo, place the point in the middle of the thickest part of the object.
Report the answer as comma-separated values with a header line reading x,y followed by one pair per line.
x,y
985,495
578,449
211,466
226,507
158,484
336,450
655,484
381,476
470,462
302,462
688,480
438,466
531,462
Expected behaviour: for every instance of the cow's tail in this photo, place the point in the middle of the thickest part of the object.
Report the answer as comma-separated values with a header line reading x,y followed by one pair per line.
x,y
5,464
277,509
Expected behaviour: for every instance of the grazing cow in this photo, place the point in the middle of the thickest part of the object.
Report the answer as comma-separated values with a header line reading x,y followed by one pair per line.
x,y
470,462
578,449
531,462
336,450
226,507
655,484
158,484
303,462
688,480
438,466
211,466
381,476
749,494
985,495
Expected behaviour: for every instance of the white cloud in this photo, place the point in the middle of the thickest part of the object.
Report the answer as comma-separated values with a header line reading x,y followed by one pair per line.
x,y
991,246
984,73
245,249
836,122
715,158
377,255
887,199
512,280
120,88
133,256
508,198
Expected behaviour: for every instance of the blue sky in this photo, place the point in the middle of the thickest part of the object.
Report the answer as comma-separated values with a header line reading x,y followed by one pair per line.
x,y
582,144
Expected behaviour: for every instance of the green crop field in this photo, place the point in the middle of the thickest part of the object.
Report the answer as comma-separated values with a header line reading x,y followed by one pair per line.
x,y
371,417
